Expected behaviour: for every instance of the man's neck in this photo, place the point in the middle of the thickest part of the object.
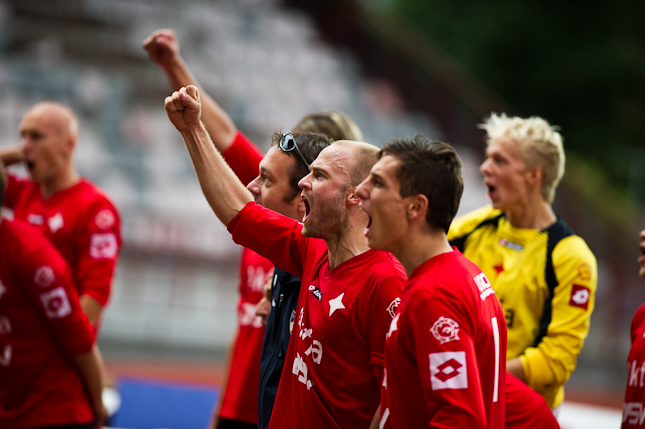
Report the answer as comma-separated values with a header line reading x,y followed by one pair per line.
x,y
420,246
537,214
60,183
349,243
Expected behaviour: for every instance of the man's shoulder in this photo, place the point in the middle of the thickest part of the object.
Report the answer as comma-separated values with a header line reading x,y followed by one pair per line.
x,y
467,223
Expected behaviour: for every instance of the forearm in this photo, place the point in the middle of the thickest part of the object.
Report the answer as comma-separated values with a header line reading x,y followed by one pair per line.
x,y
222,189
11,155
91,308
218,123
514,366
377,418
90,366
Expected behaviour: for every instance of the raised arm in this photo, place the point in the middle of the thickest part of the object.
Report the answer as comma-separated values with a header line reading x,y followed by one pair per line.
x,y
163,48
222,189
10,155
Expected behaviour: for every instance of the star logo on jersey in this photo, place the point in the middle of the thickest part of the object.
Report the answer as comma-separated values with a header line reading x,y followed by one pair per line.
x,y
580,296
394,326
445,330
44,276
55,222
499,268
448,370
336,304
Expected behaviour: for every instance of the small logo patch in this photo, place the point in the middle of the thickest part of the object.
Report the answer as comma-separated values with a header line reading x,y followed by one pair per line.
x,y
445,330
104,219
580,296
103,246
510,245
55,222
448,370
391,309
56,303
44,276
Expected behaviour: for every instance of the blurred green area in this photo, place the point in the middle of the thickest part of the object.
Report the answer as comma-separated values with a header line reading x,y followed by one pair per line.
x,y
580,65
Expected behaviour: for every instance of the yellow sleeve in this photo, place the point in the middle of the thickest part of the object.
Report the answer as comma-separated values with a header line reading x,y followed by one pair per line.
x,y
465,224
551,363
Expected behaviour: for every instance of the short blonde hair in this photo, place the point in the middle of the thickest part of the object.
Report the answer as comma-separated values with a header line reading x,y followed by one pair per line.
x,y
540,145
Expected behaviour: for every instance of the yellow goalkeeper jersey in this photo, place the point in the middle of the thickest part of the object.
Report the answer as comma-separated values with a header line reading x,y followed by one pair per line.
x,y
546,283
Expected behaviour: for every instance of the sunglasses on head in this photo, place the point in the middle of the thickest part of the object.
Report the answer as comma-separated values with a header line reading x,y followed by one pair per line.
x,y
288,143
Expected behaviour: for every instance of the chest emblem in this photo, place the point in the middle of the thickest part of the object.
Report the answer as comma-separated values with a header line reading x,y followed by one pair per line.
x,y
336,304
509,244
315,292
445,330
35,219
55,222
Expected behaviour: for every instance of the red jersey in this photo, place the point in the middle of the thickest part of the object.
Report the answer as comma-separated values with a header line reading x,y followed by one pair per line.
x,y
41,327
634,404
333,368
81,222
525,408
445,353
240,401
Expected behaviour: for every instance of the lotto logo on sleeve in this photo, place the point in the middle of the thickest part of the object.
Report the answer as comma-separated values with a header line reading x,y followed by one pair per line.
x,y
56,303
448,370
103,245
580,296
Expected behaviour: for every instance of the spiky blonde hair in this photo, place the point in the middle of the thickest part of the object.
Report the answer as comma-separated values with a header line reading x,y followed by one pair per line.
x,y
540,145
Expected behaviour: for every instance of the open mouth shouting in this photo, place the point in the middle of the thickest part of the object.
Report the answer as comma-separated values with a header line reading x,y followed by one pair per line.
x,y
307,207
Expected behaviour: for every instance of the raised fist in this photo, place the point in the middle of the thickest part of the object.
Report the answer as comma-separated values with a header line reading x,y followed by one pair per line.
x,y
184,108
162,47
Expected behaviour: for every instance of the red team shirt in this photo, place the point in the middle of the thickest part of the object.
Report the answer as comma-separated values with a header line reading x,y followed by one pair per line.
x,y
445,354
634,404
41,326
82,224
240,400
333,367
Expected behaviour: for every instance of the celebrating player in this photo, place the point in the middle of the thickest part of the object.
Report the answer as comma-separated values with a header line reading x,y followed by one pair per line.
x,y
349,292
241,389
75,215
544,274
634,404
49,369
444,353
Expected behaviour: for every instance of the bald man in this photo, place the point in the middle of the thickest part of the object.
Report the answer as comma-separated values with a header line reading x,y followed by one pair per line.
x,y
74,214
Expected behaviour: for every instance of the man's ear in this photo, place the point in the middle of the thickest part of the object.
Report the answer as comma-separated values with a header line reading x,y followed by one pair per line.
x,y
535,175
416,207
351,199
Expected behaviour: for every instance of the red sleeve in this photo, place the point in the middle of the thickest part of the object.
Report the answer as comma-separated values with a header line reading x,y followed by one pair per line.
x,y
452,400
525,408
15,187
637,321
381,308
272,235
47,280
99,243
244,158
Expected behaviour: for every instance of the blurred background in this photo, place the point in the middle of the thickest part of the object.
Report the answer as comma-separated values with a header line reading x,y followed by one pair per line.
x,y
398,67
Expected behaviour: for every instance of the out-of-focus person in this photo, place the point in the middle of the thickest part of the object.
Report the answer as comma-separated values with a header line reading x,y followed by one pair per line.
x,y
543,274
50,371
634,403
73,213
